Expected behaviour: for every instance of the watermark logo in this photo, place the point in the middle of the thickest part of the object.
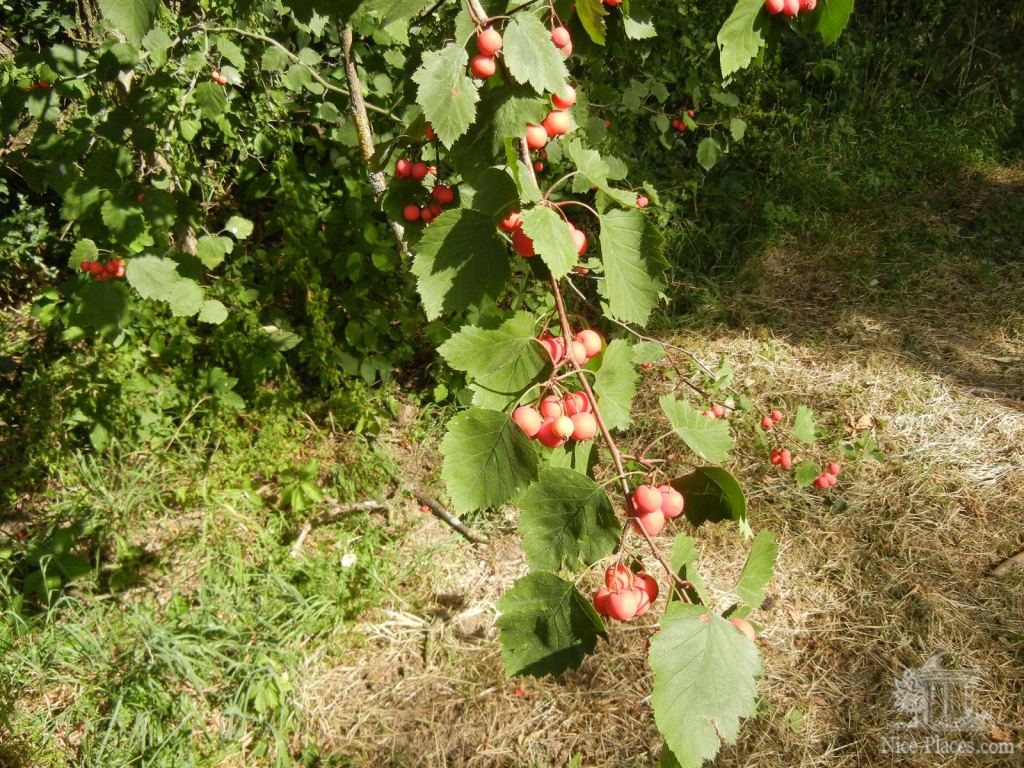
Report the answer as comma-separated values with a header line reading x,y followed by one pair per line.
x,y
941,707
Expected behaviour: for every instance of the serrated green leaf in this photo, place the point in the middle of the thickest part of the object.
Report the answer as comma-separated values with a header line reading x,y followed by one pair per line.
x,y
84,250
737,128
615,384
633,265
712,495
637,22
806,472
742,35
579,456
704,682
648,352
445,93
213,312
211,250
274,59
591,14
501,363
488,459
493,193
210,99
831,18
459,260
708,438
185,297
709,152
551,239
757,571
133,17
546,626
514,109
239,226
530,56
230,51
803,425
567,519
152,277
104,306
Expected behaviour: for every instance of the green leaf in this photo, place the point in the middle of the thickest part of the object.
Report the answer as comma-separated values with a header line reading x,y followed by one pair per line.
x,y
704,682
711,494
615,384
213,312
133,17
648,352
210,99
530,56
211,250
738,129
515,108
831,18
592,13
546,626
459,260
579,456
709,152
803,425
806,472
84,250
637,23
683,561
185,297
757,571
104,306
742,35
551,239
502,363
493,192
230,51
238,226
708,438
446,94
633,264
567,519
274,59
152,276
488,459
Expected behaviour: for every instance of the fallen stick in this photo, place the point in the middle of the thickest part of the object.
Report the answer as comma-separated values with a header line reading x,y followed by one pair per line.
x,y
1003,568
442,514
337,512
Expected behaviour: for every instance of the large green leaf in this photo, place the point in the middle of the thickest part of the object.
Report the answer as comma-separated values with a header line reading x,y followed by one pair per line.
x,y
757,571
566,519
133,17
515,108
704,681
488,459
742,35
446,94
210,99
615,384
591,14
803,425
493,192
459,260
156,277
546,626
551,239
501,363
531,56
708,438
633,265
712,494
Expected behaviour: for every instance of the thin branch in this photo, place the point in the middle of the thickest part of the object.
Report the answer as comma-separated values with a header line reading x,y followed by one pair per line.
x,y
337,513
1003,568
442,514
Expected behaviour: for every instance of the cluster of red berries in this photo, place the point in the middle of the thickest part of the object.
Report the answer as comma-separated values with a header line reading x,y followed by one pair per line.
x,y
829,477
523,243
654,506
557,123
488,42
556,420
218,78
440,195
790,8
716,411
41,84
585,345
113,268
680,125
625,594
773,418
781,457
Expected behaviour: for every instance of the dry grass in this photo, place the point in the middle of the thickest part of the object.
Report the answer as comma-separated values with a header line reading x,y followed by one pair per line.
x,y
864,588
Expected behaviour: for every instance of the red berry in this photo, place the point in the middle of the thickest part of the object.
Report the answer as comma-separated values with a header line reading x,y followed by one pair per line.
x,y
563,427
833,468
785,459
523,244
648,585
560,37
672,501
442,193
646,499
584,426
566,50
690,112
623,605
482,66
821,481
489,42
538,166
403,168
566,101
808,5
555,347
426,214
578,352
512,222
775,457
652,522
418,170
718,409
576,402
642,202
528,419
411,212
790,8
618,577
591,341
767,423
776,415
550,407
428,131
601,601
557,123
612,3
140,197
745,627
646,366
546,435
536,136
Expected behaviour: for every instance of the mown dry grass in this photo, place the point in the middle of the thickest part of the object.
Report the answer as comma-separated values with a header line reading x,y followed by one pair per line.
x,y
927,350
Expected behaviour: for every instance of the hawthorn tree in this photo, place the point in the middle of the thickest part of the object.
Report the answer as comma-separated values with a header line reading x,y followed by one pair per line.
x,y
483,159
